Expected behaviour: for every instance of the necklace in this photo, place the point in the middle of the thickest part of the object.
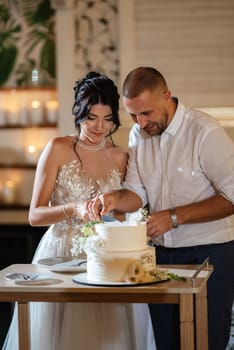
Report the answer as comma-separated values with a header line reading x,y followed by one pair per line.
x,y
93,147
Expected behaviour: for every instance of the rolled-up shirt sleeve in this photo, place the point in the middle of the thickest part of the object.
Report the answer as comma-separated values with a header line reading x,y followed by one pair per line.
x,y
132,180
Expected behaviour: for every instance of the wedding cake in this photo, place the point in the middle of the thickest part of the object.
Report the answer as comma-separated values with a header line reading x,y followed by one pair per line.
x,y
118,252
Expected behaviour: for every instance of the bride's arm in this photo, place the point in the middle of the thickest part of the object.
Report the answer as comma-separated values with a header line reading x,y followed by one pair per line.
x,y
51,159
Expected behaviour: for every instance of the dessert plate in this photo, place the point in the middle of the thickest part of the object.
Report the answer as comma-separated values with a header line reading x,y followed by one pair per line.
x,y
64,264
82,278
31,279
54,260
38,282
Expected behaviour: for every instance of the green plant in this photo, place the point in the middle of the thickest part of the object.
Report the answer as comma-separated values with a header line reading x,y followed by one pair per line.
x,y
8,50
39,18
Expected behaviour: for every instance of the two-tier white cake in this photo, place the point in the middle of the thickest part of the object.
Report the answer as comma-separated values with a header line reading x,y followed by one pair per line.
x,y
118,250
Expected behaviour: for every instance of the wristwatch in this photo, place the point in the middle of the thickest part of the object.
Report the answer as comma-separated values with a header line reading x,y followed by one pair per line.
x,y
173,218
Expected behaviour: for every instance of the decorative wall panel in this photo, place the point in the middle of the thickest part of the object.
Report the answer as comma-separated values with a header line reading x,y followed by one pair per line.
x,y
96,37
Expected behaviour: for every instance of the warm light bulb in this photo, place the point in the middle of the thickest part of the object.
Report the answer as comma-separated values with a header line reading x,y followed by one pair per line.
x,y
8,192
31,149
36,112
35,104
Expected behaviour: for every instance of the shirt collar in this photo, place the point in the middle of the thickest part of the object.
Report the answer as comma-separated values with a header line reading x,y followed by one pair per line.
x,y
177,119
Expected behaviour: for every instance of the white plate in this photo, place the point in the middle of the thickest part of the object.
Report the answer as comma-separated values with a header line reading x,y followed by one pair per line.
x,y
38,282
20,276
64,264
83,279
32,279
78,265
54,260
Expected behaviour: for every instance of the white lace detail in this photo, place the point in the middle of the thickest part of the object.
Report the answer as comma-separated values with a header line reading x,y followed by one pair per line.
x,y
74,184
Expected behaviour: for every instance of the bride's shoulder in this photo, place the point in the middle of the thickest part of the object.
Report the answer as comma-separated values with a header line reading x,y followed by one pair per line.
x,y
61,143
59,147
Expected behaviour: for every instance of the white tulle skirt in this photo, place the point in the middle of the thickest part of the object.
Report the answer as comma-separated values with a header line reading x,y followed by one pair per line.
x,y
82,326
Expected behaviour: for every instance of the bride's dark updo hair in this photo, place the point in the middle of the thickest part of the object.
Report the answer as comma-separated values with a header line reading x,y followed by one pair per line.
x,y
93,89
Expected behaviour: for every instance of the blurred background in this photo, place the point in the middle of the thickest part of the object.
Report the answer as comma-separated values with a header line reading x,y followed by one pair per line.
x,y
46,45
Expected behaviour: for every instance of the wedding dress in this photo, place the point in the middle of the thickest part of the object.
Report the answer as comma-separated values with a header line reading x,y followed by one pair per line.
x,y
79,326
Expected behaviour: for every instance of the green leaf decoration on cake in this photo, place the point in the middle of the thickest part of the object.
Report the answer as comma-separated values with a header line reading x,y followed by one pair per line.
x,y
174,276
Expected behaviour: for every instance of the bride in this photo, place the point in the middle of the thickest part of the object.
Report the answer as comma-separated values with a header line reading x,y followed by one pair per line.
x,y
72,170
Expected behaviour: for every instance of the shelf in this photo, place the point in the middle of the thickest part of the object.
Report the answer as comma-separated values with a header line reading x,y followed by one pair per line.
x,y
36,107
29,126
17,166
14,206
28,89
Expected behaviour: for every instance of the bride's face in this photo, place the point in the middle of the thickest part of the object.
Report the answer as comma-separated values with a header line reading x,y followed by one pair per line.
x,y
97,125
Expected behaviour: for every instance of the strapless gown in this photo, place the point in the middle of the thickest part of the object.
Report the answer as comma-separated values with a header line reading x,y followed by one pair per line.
x,y
81,326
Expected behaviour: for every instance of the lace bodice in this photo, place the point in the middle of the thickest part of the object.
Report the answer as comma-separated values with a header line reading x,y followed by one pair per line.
x,y
75,184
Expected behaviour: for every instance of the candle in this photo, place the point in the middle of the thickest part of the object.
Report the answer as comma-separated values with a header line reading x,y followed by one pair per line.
x,y
13,107
52,111
12,116
2,116
23,115
32,154
8,192
23,108
36,112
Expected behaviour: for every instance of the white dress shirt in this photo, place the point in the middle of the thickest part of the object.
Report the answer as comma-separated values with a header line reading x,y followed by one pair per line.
x,y
192,160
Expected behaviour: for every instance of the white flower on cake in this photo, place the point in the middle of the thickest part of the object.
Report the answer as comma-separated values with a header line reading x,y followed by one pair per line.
x,y
93,244
135,272
83,243
139,216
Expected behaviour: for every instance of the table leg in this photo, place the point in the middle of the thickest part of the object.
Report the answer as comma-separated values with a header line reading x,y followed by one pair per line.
x,y
201,320
186,322
23,324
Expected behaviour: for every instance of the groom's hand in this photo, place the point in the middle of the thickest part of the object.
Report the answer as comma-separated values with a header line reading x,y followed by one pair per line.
x,y
102,205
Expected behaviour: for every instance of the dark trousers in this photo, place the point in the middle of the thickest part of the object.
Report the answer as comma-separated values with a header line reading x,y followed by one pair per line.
x,y
165,318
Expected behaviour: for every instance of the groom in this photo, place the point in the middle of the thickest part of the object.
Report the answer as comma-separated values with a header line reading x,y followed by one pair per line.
x,y
172,167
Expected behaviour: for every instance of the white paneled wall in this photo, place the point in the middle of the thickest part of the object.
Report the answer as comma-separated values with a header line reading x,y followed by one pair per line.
x,y
192,43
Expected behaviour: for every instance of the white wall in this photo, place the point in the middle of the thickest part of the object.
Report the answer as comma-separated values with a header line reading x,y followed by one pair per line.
x,y
190,42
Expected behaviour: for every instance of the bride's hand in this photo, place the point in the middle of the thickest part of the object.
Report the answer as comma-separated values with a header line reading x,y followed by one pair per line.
x,y
82,211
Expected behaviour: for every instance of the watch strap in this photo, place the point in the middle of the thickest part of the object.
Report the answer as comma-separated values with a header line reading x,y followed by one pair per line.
x,y
173,218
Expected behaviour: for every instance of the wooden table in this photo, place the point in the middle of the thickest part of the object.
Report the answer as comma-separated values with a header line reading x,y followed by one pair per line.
x,y
184,293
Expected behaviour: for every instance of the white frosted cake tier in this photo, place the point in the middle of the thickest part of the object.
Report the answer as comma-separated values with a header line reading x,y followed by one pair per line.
x,y
114,266
122,236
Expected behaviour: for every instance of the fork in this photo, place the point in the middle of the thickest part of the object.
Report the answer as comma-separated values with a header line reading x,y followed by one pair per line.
x,y
19,275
